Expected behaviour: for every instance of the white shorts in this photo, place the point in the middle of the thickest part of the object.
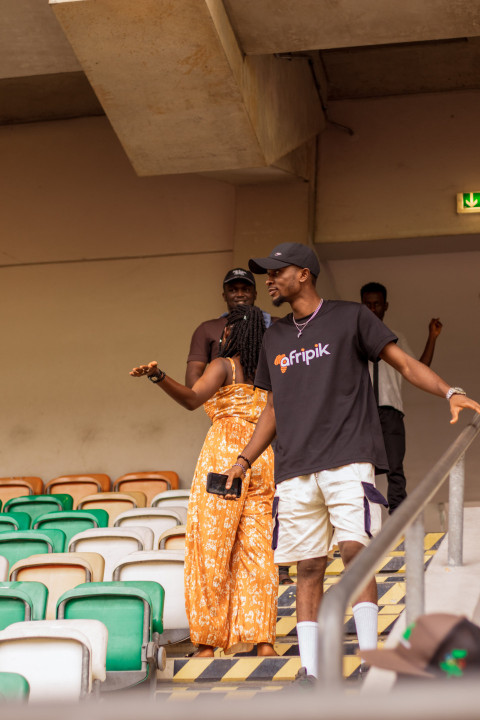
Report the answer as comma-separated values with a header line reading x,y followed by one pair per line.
x,y
310,508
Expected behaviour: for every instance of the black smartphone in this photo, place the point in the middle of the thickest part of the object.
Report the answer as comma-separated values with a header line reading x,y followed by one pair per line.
x,y
216,484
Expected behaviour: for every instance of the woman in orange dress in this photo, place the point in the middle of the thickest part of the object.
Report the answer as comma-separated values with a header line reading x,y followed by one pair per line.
x,y
231,580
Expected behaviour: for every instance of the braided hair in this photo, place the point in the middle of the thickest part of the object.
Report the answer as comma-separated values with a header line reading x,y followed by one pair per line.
x,y
247,327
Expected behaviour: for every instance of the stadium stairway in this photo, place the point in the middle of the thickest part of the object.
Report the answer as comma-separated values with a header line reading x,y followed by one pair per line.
x,y
245,674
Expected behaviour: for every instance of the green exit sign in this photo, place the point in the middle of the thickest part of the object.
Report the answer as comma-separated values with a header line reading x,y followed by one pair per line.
x,y
468,202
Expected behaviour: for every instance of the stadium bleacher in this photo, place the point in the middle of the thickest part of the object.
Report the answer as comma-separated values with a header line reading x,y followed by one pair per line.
x,y
81,564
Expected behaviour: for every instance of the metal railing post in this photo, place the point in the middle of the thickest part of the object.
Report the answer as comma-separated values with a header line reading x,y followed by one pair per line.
x,y
362,567
330,646
455,512
414,575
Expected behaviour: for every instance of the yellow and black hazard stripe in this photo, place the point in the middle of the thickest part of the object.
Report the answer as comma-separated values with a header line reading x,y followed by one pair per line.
x,y
393,561
233,670
224,691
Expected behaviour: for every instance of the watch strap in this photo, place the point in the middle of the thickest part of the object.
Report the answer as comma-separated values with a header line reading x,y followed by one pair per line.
x,y
158,377
455,391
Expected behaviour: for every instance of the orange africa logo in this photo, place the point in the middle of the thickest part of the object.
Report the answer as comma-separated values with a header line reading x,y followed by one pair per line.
x,y
278,361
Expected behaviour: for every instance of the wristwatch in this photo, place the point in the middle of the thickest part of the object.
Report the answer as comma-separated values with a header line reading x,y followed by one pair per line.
x,y
158,377
455,391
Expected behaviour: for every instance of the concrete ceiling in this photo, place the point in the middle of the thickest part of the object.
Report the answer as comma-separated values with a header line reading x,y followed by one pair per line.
x,y
209,100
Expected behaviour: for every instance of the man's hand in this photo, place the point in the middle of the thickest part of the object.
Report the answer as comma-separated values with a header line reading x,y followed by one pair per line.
x,y
458,403
435,327
149,369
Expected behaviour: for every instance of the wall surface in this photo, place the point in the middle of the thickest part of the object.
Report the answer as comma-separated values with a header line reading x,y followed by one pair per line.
x,y
420,288
100,271
388,191
268,215
398,175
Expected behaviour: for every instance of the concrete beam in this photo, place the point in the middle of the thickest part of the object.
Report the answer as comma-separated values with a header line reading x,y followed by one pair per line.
x,y
178,91
275,26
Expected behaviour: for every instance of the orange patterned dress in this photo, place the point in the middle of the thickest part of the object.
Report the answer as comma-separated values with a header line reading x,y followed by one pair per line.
x,y
231,580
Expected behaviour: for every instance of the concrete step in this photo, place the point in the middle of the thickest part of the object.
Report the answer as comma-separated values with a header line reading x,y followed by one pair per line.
x,y
245,669
393,562
245,675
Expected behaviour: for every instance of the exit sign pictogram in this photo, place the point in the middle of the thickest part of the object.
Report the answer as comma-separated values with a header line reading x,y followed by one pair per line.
x,y
468,202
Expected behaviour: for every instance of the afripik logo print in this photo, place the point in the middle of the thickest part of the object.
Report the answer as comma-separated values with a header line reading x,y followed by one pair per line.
x,y
304,356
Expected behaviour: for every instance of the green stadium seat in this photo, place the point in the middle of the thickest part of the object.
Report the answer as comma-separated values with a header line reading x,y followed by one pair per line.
x,y
36,505
23,543
10,521
22,601
132,613
13,687
71,522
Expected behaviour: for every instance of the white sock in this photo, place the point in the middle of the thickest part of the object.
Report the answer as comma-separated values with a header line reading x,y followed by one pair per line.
x,y
307,633
366,622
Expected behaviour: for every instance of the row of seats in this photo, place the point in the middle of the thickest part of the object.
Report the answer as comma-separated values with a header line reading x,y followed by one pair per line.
x,y
105,633
99,571
112,503
79,486
68,586
111,543
94,554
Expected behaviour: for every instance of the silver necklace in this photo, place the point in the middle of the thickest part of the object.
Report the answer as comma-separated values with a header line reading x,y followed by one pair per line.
x,y
301,326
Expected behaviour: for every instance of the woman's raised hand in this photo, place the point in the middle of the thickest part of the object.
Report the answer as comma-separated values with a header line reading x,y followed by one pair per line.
x,y
149,369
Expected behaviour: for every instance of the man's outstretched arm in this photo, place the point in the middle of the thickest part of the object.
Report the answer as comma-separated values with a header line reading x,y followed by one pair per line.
x,y
422,377
434,330
260,440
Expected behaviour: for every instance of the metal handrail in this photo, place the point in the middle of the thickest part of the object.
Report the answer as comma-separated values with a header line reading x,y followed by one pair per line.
x,y
362,568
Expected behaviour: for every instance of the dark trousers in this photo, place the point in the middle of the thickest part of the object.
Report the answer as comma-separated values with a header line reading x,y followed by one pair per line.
x,y
394,438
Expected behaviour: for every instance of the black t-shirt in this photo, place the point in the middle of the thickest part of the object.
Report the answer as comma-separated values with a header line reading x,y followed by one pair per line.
x,y
325,408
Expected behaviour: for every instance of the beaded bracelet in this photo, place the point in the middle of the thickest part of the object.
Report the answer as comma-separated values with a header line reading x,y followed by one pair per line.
x,y
246,460
240,466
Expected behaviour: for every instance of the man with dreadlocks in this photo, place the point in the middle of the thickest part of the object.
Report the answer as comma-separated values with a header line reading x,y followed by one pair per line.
x,y
231,579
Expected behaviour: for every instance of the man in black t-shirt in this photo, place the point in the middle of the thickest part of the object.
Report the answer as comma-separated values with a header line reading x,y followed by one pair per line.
x,y
322,411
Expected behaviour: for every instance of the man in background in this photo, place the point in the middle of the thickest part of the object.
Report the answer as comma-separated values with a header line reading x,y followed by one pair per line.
x,y
239,288
387,385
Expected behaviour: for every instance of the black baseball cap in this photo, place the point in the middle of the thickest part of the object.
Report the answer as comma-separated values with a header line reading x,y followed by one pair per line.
x,y
239,274
286,254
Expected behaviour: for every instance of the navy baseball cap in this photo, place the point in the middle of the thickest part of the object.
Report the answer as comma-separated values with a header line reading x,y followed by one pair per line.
x,y
239,274
286,254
